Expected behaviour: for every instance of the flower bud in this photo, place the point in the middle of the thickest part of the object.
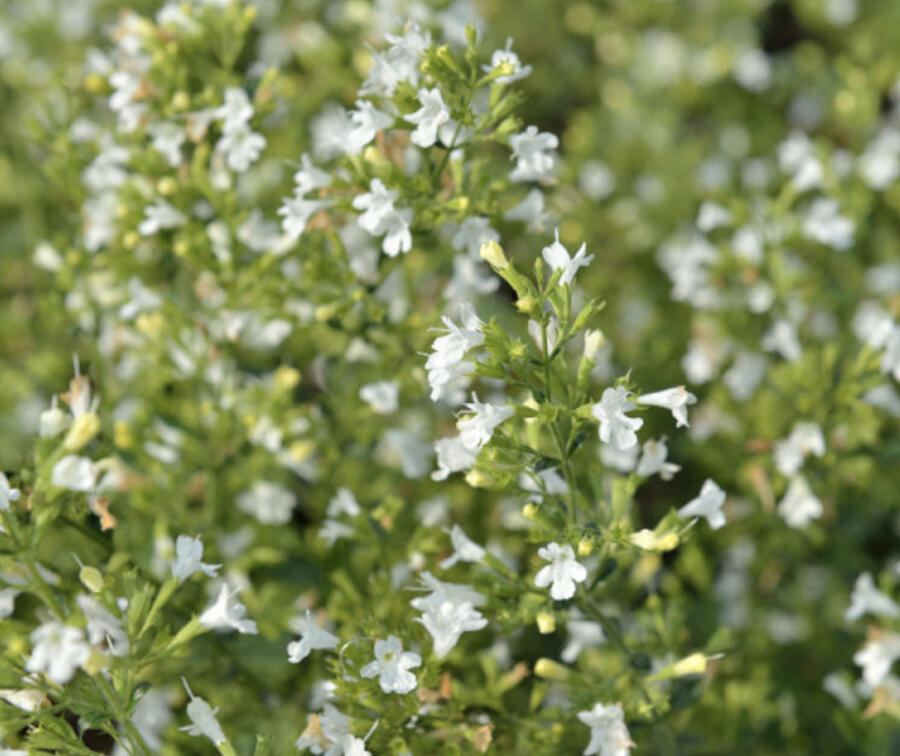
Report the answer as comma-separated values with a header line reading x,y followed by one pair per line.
x,y
181,101
84,428
585,547
478,479
526,305
286,378
546,623
695,664
166,186
492,253
593,340
91,578
550,670
529,511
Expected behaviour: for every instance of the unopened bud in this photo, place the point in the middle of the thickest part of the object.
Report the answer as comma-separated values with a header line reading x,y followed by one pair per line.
x,y
546,623
593,340
91,578
84,429
550,670
492,253
526,305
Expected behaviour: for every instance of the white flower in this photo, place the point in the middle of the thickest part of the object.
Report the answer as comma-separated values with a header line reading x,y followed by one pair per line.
x,y
806,438
380,217
531,211
268,502
446,365
447,621
510,62
464,549
609,735
825,224
381,396
399,63
309,177
167,139
242,147
866,598
7,494
226,612
429,118
58,650
615,426
557,257
782,338
237,110
188,553
532,151
452,456
476,430
472,233
711,216
583,633
653,460
877,657
448,611
353,746
326,732
890,360
392,665
160,216
102,627
312,638
457,593
343,502
296,212
799,505
53,421
708,504
203,719
74,472
367,121
674,399
745,374
563,571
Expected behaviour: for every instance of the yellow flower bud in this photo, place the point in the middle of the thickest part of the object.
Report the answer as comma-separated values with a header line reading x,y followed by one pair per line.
x,y
585,547
17,646
166,186
300,450
529,511
181,101
593,340
526,305
81,432
478,479
151,324
492,253
695,664
286,378
95,663
131,240
550,670
546,623
122,436
94,83
91,578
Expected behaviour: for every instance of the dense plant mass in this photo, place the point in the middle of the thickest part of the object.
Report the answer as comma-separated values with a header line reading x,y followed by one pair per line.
x,y
406,377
